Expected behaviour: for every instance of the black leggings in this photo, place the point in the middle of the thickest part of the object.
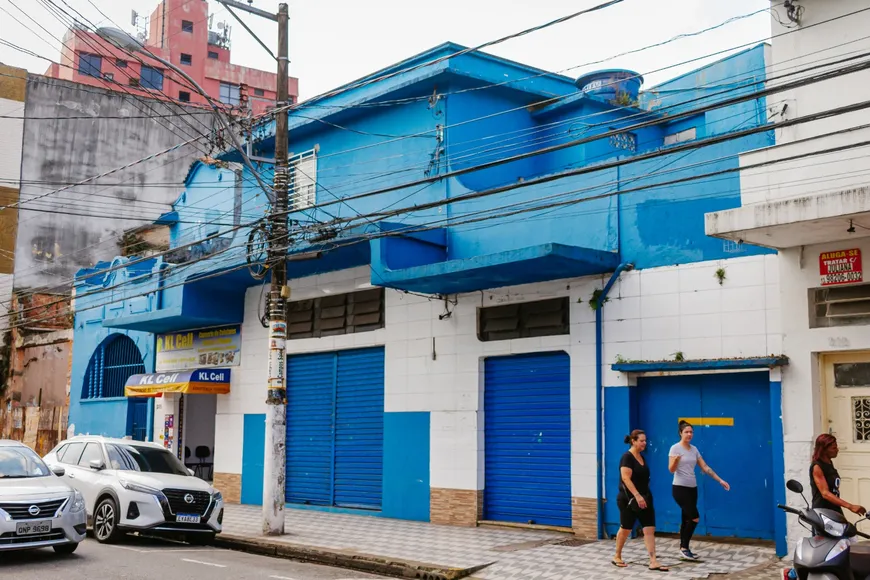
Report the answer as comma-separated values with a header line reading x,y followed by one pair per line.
x,y
687,499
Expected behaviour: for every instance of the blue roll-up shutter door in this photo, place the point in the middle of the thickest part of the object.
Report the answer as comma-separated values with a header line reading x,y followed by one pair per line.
x,y
528,439
335,418
310,386
359,428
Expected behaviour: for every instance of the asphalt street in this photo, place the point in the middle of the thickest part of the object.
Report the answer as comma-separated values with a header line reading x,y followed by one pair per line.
x,y
147,559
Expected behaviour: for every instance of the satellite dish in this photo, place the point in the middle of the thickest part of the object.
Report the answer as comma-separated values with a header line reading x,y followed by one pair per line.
x,y
220,26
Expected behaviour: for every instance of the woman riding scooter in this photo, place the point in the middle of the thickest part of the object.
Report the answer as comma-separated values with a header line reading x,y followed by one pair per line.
x,y
825,482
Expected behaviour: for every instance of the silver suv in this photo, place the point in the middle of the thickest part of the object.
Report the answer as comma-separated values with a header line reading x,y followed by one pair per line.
x,y
131,486
37,508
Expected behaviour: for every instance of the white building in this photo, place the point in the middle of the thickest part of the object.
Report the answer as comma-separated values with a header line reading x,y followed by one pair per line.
x,y
815,210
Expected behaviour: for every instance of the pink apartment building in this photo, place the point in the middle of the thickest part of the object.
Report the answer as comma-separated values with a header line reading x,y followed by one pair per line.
x,y
179,32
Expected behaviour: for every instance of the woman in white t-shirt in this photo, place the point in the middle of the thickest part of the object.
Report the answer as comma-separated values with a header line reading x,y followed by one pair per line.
x,y
682,461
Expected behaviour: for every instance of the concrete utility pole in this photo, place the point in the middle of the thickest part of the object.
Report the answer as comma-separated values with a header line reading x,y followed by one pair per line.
x,y
275,466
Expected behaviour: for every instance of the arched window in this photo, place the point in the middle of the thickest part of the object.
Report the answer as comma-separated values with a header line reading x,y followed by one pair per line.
x,y
115,360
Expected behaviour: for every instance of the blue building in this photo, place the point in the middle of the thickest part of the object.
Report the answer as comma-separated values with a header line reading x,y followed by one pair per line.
x,y
464,341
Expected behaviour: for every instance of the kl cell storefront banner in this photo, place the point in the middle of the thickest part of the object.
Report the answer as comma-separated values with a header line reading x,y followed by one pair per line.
x,y
193,349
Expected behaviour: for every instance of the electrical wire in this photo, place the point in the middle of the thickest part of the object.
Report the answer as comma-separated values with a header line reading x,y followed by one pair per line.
x,y
415,192
694,177
231,269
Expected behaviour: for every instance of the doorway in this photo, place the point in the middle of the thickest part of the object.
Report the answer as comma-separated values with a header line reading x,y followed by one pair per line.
x,y
197,433
846,380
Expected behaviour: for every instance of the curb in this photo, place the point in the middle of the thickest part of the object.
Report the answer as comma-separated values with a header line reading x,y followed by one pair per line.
x,y
343,559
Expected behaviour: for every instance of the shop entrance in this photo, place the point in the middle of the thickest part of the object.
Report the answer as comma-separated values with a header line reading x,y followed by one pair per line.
x,y
196,433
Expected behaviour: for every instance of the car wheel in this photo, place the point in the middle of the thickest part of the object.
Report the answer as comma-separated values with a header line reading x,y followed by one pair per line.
x,y
106,522
65,549
200,539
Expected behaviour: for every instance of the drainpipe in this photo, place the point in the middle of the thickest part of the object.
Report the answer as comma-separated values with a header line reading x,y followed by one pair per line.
x,y
599,391
161,280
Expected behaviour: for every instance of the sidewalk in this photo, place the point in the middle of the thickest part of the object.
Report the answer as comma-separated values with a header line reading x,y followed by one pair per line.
x,y
431,552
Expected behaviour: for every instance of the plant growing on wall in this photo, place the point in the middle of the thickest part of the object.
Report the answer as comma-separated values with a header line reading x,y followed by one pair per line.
x,y
132,245
596,297
623,99
678,356
720,275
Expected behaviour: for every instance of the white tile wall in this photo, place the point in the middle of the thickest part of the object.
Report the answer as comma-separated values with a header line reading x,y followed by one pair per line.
x,y
651,315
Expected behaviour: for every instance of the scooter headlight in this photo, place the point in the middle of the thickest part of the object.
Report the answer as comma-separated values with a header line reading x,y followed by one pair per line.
x,y
833,528
838,549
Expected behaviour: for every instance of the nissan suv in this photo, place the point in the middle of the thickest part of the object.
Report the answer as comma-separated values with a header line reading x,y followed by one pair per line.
x,y
37,508
131,486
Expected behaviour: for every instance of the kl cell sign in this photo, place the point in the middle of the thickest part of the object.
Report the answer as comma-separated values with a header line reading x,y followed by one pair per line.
x,y
841,267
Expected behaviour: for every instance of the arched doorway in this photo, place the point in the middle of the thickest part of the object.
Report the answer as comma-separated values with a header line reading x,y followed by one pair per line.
x,y
113,362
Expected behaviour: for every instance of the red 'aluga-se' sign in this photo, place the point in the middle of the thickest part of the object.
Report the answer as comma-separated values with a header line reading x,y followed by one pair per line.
x,y
841,267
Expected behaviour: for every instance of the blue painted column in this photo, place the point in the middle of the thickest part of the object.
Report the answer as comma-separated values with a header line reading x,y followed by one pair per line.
x,y
777,449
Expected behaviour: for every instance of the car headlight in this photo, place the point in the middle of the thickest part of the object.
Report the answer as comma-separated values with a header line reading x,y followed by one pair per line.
x,y
833,528
78,503
838,549
129,485
218,496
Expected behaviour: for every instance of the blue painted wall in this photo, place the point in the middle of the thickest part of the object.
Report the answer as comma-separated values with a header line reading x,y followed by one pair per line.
x,y
778,452
253,459
620,419
103,416
449,116
406,466
656,405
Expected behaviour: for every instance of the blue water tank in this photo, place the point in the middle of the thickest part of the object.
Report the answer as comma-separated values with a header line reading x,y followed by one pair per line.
x,y
609,84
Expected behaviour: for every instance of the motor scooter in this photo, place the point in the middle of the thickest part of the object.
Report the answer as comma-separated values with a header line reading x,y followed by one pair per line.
x,y
831,553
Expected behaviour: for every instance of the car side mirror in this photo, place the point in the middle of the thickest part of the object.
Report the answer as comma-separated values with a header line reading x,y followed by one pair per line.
x,y
97,464
58,470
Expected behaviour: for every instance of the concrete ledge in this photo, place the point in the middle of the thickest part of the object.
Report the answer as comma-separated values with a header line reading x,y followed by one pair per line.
x,y
350,560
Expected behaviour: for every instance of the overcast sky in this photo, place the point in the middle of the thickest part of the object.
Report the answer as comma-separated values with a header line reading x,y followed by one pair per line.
x,y
333,42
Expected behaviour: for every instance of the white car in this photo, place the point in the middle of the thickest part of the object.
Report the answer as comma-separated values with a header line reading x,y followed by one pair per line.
x,y
131,486
37,508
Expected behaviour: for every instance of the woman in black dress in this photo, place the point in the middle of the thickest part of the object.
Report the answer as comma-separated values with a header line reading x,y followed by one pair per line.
x,y
635,501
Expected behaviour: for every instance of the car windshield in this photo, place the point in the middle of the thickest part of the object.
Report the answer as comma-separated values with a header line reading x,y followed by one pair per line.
x,y
21,462
144,458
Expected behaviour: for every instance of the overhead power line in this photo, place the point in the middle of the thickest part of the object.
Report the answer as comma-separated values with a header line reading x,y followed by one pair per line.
x,y
415,227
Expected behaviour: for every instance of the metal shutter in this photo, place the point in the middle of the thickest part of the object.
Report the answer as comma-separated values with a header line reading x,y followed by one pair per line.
x,y
359,428
310,396
528,439
335,428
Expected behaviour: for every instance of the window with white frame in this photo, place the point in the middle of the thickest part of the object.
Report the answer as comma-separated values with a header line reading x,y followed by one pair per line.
x,y
303,180
681,136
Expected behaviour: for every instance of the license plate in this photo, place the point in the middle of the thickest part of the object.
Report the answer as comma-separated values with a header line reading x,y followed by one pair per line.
x,y
31,528
187,519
